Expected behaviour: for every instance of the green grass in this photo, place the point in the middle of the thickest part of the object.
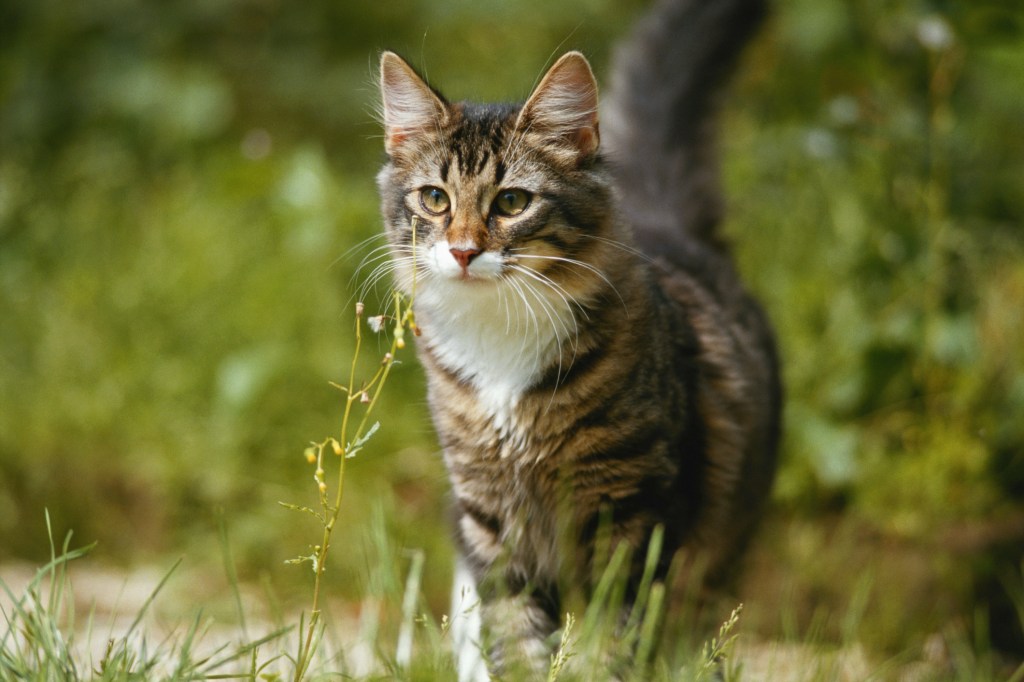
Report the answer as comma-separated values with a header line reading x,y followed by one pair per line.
x,y
43,637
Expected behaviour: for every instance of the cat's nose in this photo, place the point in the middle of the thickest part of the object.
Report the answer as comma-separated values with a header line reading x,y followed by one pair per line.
x,y
464,256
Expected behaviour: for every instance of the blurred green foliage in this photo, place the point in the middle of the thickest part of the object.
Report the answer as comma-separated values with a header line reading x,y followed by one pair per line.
x,y
186,191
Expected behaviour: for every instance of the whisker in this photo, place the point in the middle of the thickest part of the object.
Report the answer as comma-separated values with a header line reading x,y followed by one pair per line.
x,y
549,310
503,302
562,337
621,246
349,252
384,262
580,264
517,287
525,287
374,256
575,334
390,267
566,297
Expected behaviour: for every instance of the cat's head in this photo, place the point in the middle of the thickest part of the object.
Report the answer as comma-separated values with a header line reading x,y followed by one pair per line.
x,y
493,194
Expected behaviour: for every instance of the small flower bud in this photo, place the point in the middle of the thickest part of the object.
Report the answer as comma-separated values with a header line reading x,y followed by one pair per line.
x,y
310,454
323,487
338,450
365,398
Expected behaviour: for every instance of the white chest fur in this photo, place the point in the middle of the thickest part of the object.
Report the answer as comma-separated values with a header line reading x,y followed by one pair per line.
x,y
499,332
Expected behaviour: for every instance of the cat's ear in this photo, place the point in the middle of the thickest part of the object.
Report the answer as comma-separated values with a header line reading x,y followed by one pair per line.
x,y
564,105
410,106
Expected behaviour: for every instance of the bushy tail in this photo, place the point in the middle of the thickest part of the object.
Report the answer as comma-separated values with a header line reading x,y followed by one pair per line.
x,y
659,122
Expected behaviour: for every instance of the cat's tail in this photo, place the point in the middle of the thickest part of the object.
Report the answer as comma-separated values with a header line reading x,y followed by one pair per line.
x,y
658,124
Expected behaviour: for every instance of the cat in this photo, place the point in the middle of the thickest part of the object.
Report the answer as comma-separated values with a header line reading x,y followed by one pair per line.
x,y
591,354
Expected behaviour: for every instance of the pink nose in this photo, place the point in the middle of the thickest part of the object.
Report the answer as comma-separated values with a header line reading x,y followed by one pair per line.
x,y
464,256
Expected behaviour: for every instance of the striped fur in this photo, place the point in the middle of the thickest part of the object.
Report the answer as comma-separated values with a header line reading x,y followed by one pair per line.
x,y
594,355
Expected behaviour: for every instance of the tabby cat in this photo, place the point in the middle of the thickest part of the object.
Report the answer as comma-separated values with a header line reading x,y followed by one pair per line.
x,y
591,354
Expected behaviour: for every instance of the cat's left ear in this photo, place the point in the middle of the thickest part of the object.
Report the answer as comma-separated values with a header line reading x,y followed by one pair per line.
x,y
411,107
564,106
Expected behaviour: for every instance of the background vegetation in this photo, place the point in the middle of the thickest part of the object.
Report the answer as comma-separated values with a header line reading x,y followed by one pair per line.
x,y
185,194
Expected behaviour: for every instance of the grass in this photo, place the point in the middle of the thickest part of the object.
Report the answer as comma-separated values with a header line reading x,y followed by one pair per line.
x,y
45,638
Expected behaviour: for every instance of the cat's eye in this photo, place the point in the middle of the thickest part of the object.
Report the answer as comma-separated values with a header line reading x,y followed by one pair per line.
x,y
511,202
434,200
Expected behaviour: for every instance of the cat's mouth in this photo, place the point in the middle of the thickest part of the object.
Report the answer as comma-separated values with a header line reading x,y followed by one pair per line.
x,y
469,279
474,280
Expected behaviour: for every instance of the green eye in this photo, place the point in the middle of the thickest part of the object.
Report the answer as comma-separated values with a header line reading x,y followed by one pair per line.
x,y
511,202
434,200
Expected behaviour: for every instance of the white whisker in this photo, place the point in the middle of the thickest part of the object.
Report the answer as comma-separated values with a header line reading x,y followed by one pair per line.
x,y
524,334
622,246
382,270
578,263
566,297
352,250
559,326
381,253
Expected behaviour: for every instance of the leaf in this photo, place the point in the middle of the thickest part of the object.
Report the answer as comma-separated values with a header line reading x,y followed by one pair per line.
x,y
307,510
312,559
352,448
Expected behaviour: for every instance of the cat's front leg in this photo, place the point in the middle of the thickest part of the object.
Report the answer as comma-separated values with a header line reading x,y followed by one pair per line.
x,y
465,619
517,630
499,633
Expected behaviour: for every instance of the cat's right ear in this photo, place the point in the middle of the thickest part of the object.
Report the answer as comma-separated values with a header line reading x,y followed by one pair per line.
x,y
410,106
564,106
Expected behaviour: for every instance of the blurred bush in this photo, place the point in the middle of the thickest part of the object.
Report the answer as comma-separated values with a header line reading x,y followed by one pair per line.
x,y
877,206
186,191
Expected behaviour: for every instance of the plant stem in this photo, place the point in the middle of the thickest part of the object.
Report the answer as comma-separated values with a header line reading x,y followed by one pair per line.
x,y
345,448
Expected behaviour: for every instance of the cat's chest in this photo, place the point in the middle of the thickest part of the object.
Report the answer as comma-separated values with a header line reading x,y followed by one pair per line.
x,y
497,344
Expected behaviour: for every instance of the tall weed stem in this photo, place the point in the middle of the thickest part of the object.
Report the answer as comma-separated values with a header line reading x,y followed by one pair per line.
x,y
345,446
